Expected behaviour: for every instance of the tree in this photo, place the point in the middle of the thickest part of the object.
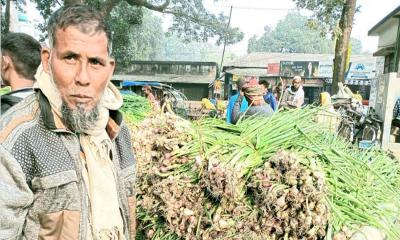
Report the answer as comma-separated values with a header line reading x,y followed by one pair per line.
x,y
135,41
5,27
291,35
191,20
335,17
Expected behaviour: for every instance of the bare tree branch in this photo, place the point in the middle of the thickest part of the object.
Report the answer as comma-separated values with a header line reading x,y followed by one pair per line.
x,y
146,4
191,18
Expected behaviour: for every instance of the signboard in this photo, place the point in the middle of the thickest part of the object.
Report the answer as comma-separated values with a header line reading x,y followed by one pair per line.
x,y
361,71
235,78
326,69
273,69
361,82
304,69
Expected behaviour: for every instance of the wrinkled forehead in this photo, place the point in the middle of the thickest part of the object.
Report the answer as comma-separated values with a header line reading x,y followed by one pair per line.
x,y
84,31
73,40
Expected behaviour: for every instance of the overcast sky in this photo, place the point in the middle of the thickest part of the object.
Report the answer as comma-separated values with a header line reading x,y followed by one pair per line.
x,y
252,15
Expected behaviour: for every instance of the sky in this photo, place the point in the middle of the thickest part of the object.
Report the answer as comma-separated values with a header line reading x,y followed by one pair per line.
x,y
252,15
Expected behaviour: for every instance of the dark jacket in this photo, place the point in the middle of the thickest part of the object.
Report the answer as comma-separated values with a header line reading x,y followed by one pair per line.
x,y
42,194
8,100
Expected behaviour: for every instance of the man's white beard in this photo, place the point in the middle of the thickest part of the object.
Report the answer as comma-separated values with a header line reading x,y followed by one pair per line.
x,y
79,120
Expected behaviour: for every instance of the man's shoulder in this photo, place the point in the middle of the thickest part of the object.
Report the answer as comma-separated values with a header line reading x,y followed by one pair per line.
x,y
23,112
7,101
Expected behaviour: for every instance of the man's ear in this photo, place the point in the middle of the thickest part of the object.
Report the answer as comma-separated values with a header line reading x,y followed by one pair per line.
x,y
45,56
5,63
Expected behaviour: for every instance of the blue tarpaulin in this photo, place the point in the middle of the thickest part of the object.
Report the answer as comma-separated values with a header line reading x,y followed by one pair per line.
x,y
131,83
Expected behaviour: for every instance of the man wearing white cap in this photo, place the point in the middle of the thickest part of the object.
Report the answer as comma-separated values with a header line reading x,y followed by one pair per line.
x,y
293,97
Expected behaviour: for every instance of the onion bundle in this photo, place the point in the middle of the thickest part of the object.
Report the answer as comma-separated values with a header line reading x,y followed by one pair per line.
x,y
282,177
291,198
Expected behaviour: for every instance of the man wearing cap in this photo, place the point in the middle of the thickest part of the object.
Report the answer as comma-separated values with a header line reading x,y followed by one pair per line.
x,y
257,105
244,105
293,97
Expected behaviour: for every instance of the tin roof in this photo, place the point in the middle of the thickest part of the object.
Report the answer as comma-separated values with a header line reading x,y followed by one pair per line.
x,y
166,78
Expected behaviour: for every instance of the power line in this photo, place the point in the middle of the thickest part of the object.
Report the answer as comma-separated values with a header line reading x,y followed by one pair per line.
x,y
253,8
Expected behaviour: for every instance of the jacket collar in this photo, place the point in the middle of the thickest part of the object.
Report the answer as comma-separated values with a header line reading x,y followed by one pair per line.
x,y
53,122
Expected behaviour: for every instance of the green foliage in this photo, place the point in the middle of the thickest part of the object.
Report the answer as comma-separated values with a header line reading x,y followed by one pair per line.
x,y
135,108
292,35
133,41
191,21
326,14
5,90
138,34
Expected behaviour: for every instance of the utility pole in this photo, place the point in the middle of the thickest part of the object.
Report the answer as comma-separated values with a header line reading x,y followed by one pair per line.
x,y
227,27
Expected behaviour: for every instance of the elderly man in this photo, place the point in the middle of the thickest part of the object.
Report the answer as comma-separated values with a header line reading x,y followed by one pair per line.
x,y
20,59
293,97
254,95
67,169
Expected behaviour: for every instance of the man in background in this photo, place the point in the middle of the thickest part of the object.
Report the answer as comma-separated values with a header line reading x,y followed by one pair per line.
x,y
278,92
293,97
147,90
253,94
241,82
268,96
20,60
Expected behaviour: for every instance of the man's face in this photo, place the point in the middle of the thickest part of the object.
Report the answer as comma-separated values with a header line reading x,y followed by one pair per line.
x,y
264,89
80,66
296,84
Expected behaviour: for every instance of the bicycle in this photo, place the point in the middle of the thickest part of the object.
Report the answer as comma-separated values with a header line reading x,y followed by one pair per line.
x,y
359,127
372,131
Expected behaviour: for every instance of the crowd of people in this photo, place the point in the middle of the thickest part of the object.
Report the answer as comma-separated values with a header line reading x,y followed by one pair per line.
x,y
257,98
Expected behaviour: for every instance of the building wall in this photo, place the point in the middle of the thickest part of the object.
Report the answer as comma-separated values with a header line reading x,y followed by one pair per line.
x,y
193,92
389,35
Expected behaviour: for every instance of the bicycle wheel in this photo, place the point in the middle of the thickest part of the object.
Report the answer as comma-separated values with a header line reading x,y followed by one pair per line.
x,y
369,133
346,131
